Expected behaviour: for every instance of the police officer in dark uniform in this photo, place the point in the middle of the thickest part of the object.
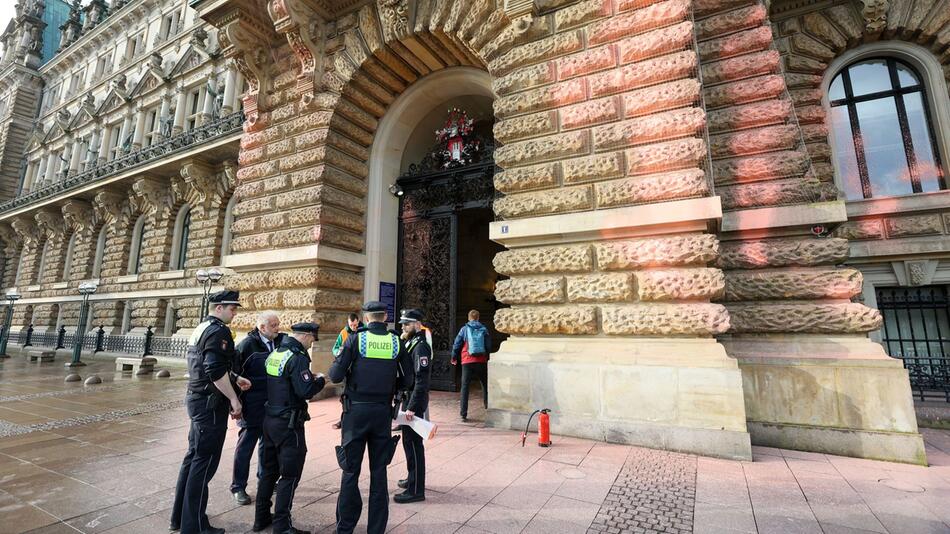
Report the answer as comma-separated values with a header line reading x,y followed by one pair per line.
x,y
417,403
212,394
375,365
290,384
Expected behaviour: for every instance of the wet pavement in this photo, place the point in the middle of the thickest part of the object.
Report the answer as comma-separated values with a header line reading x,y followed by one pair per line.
x,y
105,458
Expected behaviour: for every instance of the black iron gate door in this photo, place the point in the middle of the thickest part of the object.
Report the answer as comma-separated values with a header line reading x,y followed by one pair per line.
x,y
428,271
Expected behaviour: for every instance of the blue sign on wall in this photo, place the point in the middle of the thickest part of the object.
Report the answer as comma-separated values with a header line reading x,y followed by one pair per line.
x,y
387,295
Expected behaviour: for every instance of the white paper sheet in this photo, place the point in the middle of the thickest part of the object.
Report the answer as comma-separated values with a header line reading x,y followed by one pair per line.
x,y
426,429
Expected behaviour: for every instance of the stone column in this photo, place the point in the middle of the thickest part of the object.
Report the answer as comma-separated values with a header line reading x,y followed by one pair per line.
x,y
124,132
94,148
207,101
28,177
229,90
40,175
139,131
238,93
105,145
75,155
50,168
164,111
179,124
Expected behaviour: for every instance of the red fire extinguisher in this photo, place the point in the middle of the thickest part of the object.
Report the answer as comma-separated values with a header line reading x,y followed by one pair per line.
x,y
544,428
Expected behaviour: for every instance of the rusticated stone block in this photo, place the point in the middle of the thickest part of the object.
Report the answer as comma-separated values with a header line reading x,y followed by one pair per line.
x,y
743,42
862,229
754,141
802,64
524,78
918,225
793,284
531,290
782,253
742,91
656,42
679,250
764,167
804,97
596,167
585,62
526,126
578,14
804,44
560,94
652,188
739,19
656,127
590,112
537,51
600,287
634,22
775,193
803,318
526,178
745,66
680,284
643,73
692,319
708,7
321,299
762,113
795,79
815,132
661,97
558,146
577,320
543,202
678,154
810,114
544,260
247,243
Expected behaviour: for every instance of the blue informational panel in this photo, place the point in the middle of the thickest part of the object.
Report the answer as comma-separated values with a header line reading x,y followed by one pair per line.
x,y
387,295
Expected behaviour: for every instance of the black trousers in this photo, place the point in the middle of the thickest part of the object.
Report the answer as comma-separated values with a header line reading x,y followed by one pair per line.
x,y
248,438
471,371
283,451
365,425
209,425
415,450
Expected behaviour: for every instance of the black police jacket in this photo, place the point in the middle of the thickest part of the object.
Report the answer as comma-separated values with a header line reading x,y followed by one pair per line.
x,y
421,356
210,354
251,344
371,379
290,384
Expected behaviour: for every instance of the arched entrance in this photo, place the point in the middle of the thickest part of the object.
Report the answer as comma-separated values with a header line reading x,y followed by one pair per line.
x,y
428,245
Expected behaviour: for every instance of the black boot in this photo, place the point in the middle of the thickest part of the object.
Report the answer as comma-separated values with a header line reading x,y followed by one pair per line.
x,y
403,483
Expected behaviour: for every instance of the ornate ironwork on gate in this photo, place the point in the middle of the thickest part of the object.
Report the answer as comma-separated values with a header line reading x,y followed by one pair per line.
x,y
917,331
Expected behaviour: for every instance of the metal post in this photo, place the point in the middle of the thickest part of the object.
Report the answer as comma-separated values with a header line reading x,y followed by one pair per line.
x,y
100,337
77,343
61,337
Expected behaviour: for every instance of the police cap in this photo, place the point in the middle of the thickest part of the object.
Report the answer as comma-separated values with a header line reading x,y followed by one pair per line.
x,y
225,297
374,306
411,316
306,328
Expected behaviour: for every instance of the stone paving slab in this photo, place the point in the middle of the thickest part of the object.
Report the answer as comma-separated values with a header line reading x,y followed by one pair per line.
x,y
104,459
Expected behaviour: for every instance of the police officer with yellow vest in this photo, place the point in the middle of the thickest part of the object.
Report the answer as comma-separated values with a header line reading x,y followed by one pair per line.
x,y
212,393
374,365
290,384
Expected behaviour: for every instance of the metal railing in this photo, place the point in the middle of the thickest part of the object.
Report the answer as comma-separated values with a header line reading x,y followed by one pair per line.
x,y
98,341
220,127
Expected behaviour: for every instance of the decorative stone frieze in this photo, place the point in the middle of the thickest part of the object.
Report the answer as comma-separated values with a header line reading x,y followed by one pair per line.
x,y
798,284
680,284
782,253
542,260
641,319
803,318
547,320
694,249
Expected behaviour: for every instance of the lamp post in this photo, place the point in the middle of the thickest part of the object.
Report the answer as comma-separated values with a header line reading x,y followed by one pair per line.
x,y
85,289
207,278
7,322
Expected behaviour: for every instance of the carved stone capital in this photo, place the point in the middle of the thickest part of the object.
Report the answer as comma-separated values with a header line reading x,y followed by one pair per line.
x,y
9,238
305,30
202,186
874,13
27,230
394,16
107,207
50,223
153,197
77,215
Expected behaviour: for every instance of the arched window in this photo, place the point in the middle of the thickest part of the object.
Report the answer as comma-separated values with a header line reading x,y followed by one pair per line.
x,y
228,221
180,240
883,132
100,252
68,264
135,253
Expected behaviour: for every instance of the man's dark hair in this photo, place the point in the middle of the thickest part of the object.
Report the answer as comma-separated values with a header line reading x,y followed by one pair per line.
x,y
353,316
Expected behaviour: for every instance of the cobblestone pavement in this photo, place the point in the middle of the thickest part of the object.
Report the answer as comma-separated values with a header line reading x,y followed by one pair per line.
x,y
655,492
105,459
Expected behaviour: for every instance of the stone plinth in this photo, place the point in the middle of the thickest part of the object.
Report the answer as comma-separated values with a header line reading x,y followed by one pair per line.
x,y
675,394
41,356
138,366
833,394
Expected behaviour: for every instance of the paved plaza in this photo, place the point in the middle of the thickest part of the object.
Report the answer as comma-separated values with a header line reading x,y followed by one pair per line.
x,y
105,458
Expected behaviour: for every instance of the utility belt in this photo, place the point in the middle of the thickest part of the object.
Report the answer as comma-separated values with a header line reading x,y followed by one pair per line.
x,y
295,417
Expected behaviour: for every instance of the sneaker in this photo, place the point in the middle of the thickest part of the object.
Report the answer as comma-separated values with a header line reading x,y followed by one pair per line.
x,y
173,527
261,524
406,497
403,483
241,497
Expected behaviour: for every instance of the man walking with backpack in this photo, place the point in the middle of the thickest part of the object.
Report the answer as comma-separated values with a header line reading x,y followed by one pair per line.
x,y
472,345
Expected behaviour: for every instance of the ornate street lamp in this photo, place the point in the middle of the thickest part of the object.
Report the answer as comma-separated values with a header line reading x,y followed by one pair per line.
x,y
207,278
85,289
7,322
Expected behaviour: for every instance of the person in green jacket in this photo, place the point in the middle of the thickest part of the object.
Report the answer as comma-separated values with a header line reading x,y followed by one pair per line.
x,y
353,325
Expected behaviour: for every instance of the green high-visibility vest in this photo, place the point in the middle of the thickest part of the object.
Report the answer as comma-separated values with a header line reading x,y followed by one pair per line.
x,y
379,346
276,361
